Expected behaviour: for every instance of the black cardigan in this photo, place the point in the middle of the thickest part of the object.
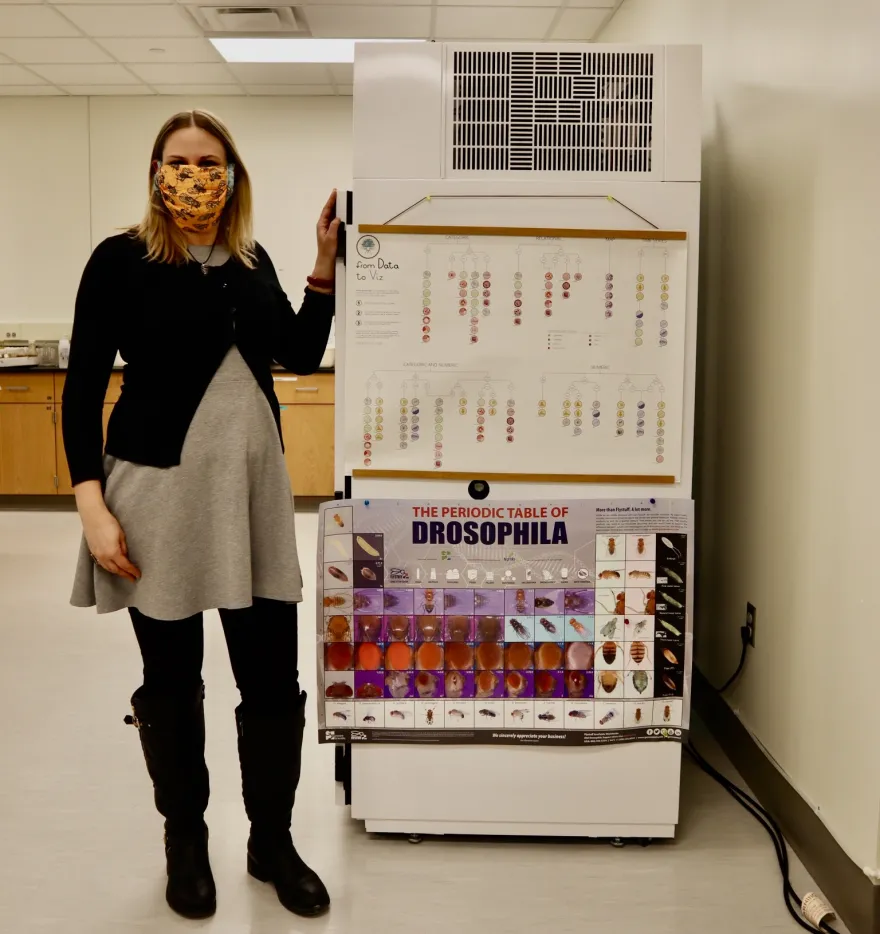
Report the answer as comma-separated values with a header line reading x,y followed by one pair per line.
x,y
173,326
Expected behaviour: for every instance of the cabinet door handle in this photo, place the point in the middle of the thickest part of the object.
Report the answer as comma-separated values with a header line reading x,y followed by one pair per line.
x,y
17,388
305,389
285,379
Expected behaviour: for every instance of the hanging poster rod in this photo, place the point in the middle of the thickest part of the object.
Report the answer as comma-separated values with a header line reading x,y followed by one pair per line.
x,y
555,232
512,477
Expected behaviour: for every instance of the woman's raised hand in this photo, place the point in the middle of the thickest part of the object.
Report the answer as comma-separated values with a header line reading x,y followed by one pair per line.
x,y
328,240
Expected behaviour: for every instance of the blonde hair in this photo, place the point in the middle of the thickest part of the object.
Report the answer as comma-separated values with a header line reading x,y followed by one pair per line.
x,y
164,240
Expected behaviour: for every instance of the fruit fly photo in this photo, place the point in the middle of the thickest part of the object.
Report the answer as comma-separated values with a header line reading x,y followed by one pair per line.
x,y
640,546
429,601
612,546
520,601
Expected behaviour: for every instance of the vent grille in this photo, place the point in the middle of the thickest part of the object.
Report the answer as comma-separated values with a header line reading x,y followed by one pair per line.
x,y
552,111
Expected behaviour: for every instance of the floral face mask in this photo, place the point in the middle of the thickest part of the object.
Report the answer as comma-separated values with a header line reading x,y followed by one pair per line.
x,y
195,195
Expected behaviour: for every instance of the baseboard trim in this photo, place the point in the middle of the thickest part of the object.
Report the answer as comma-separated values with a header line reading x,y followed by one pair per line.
x,y
855,898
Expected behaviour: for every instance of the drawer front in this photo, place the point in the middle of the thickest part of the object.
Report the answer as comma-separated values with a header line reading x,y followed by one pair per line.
x,y
114,389
305,390
26,386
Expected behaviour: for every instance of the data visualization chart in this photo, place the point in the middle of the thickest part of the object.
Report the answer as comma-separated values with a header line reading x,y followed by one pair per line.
x,y
563,622
517,352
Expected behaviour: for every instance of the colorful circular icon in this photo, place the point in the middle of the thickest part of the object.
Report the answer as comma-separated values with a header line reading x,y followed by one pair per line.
x,y
368,246
664,296
565,294
659,458
548,275
450,274
609,277
474,339
578,276
595,422
664,278
640,278
548,313
517,320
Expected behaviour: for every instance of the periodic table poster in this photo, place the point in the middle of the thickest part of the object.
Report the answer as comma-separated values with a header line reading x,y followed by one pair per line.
x,y
530,623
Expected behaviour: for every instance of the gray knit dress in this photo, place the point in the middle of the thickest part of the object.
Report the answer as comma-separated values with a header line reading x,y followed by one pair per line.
x,y
215,531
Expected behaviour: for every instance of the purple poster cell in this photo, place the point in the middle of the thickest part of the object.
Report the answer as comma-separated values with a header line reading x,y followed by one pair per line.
x,y
429,683
519,684
579,684
458,684
489,602
429,629
399,601
399,684
399,628
549,684
368,602
519,602
428,602
368,628
459,628
489,629
580,601
369,685
458,601
549,602
489,684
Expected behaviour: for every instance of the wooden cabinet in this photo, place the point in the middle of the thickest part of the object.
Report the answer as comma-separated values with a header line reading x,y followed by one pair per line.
x,y
308,448
27,449
33,461
26,387
65,486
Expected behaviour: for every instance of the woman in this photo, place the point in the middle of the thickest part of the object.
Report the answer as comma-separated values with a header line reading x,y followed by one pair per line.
x,y
191,507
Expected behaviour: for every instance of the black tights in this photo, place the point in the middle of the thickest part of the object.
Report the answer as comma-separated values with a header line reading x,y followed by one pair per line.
x,y
262,649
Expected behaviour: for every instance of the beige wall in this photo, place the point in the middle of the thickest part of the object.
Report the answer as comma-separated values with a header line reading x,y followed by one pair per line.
x,y
74,172
789,436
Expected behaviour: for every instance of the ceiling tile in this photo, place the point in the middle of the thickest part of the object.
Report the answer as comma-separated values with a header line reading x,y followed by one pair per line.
x,y
86,74
14,74
36,90
4,60
373,22
287,73
111,90
40,21
346,90
53,51
578,25
604,4
493,23
200,90
291,90
342,74
174,50
132,20
184,74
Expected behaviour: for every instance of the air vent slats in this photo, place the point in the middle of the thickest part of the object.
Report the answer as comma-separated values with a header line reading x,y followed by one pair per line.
x,y
553,111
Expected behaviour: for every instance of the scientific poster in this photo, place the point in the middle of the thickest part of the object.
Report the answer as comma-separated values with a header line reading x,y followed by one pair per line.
x,y
539,623
517,353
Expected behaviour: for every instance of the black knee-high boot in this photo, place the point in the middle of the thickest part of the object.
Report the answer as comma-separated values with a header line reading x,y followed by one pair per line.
x,y
172,734
269,748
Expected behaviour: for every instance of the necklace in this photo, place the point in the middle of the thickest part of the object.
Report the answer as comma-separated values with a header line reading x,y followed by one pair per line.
x,y
204,264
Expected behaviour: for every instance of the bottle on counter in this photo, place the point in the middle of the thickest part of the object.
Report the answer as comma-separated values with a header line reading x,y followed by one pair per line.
x,y
64,352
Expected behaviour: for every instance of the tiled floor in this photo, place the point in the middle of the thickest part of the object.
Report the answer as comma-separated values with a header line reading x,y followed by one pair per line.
x,y
80,843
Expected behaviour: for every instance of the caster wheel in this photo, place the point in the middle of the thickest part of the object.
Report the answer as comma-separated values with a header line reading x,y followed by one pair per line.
x,y
617,843
415,838
646,841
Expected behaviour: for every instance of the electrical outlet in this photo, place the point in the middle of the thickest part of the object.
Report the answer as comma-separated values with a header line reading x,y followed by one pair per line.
x,y
751,619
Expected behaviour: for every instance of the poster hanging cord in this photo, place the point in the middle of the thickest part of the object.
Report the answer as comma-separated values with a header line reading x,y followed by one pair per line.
x,y
428,198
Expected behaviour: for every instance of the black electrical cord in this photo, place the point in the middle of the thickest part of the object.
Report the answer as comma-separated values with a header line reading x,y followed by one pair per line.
x,y
768,822
792,899
744,635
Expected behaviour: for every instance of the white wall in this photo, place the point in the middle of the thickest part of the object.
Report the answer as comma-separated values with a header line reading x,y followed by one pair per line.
x,y
75,169
790,429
